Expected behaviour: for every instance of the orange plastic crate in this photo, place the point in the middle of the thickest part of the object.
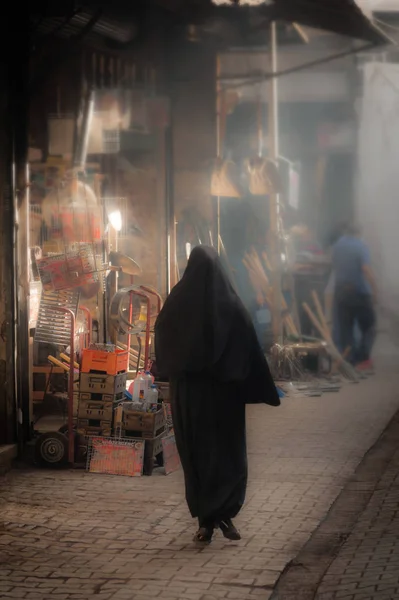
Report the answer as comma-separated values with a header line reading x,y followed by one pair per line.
x,y
98,361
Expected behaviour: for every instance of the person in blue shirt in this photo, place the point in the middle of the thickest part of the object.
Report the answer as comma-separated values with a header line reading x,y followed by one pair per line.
x,y
355,295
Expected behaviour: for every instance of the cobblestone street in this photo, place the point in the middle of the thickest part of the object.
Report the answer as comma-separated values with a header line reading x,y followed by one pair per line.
x,y
70,535
367,566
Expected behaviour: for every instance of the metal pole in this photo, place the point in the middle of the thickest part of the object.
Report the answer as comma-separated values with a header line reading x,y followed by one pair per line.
x,y
129,335
170,211
274,209
71,381
18,111
147,298
218,139
113,278
89,325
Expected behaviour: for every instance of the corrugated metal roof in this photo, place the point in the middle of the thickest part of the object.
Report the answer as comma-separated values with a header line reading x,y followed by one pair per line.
x,y
338,16
73,24
343,17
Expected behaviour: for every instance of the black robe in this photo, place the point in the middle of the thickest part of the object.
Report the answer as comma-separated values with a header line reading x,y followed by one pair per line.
x,y
205,343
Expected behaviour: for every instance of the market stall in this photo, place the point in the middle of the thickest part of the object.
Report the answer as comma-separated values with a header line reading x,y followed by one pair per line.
x,y
101,218
99,268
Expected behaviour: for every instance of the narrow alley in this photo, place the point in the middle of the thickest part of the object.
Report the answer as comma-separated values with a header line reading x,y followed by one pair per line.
x,y
70,535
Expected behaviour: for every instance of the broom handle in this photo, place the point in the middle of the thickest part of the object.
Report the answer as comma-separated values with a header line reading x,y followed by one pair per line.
x,y
343,358
313,318
333,348
319,327
267,262
321,316
283,302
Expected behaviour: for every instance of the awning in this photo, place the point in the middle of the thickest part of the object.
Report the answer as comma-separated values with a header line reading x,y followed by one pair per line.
x,y
343,17
121,20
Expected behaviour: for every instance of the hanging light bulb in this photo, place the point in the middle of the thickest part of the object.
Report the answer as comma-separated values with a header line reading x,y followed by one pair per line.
x,y
115,219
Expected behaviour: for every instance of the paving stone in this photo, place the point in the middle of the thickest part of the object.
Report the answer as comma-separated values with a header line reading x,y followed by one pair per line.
x,y
379,580
70,535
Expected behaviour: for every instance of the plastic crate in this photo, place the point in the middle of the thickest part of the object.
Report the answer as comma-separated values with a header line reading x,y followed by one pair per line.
x,y
141,424
110,399
89,409
99,383
99,361
91,427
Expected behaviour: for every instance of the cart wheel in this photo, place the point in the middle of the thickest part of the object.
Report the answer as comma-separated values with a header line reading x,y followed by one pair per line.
x,y
80,444
51,449
159,459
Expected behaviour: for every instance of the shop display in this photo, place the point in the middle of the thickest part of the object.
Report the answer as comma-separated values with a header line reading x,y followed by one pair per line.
x,y
102,385
98,261
53,326
78,266
95,402
72,213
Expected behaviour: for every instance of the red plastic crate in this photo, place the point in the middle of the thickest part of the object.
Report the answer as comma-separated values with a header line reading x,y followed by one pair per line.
x,y
98,361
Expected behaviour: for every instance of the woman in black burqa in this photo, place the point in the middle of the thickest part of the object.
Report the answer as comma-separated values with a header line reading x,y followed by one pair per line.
x,y
206,345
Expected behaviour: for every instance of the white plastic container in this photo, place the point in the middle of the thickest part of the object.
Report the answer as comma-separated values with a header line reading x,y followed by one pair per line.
x,y
149,380
131,386
152,397
139,390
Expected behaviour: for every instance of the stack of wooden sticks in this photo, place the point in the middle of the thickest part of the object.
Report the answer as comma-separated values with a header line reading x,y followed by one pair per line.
x,y
259,279
263,289
320,323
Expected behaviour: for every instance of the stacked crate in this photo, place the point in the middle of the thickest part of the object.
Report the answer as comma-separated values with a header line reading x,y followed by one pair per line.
x,y
102,385
150,426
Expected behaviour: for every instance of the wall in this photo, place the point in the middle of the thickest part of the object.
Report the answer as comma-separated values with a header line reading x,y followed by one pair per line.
x,y
3,158
192,88
7,380
326,161
377,203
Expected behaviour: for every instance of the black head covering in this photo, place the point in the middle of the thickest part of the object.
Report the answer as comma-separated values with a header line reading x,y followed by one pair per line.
x,y
204,328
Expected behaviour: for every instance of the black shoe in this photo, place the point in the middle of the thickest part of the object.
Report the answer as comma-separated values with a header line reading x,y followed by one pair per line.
x,y
229,531
204,535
